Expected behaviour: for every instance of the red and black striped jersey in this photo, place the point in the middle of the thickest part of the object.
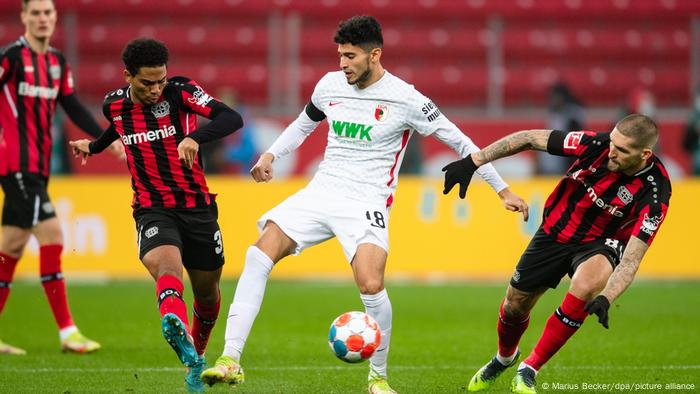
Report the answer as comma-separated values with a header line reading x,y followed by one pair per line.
x,y
592,202
31,84
151,134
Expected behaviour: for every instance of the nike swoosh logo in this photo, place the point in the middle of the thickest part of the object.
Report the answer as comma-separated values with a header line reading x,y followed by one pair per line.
x,y
330,104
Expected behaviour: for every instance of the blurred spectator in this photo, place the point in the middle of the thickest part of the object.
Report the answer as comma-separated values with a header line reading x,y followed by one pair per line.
x,y
691,140
236,153
566,114
641,101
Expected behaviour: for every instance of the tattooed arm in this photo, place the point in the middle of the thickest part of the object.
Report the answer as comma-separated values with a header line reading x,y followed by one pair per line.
x,y
624,273
512,144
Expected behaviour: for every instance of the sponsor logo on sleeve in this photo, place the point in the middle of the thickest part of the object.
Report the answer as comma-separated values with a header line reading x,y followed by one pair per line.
x,y
573,139
200,97
651,224
431,111
71,84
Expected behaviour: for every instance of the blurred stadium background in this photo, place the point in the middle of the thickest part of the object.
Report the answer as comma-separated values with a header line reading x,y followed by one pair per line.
x,y
492,66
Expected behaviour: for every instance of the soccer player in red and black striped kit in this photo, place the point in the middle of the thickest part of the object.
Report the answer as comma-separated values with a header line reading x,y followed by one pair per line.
x,y
597,225
176,215
34,77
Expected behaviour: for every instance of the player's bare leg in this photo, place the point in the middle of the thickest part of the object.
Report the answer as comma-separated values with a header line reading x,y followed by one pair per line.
x,y
368,266
272,246
588,280
513,319
205,287
11,249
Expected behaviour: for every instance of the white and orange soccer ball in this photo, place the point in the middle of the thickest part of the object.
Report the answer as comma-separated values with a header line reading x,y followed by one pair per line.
x,y
354,337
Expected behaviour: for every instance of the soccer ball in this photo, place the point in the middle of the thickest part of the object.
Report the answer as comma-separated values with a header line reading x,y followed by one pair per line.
x,y
354,336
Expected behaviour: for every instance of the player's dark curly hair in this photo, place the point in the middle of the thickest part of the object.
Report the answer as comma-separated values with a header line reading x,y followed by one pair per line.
x,y
361,30
144,52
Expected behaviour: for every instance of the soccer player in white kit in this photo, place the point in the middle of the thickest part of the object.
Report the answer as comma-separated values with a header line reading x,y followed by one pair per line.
x,y
371,115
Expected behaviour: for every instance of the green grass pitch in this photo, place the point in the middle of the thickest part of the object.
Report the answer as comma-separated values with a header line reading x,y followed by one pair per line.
x,y
441,335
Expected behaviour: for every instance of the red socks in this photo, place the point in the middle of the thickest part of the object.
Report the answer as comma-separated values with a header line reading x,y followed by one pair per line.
x,y
560,327
54,286
203,320
510,330
7,271
169,290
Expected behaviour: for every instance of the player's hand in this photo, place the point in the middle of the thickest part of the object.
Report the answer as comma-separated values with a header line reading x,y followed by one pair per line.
x,y
460,171
599,306
514,203
262,170
187,151
81,148
117,149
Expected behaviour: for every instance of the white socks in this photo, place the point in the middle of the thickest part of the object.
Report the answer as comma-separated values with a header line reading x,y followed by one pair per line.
x,y
506,360
64,333
379,307
246,301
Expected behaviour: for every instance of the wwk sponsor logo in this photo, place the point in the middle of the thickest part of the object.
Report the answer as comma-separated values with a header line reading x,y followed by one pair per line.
x,y
351,130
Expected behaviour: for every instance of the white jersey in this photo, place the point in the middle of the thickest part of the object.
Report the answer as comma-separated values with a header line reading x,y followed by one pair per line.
x,y
368,132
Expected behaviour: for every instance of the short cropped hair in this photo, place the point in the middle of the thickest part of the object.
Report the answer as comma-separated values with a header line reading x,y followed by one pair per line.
x,y
26,2
640,128
144,52
360,30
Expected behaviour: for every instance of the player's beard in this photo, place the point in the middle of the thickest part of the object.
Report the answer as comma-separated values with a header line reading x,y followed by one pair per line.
x,y
362,77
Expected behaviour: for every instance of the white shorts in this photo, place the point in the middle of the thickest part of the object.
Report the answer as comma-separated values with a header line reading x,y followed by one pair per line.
x,y
310,217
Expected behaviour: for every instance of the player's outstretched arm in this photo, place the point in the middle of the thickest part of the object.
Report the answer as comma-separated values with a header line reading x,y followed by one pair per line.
x,y
262,170
512,144
515,203
461,171
81,148
619,281
80,115
84,147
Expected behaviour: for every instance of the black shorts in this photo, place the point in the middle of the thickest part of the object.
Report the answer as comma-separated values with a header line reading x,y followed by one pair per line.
x,y
546,261
26,200
194,231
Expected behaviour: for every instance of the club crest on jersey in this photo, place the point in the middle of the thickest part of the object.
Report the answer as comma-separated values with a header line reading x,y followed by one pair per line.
x,y
55,72
572,140
161,109
380,112
624,195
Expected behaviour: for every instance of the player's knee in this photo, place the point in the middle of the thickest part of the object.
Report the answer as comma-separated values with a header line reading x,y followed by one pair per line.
x,y
209,298
585,290
371,286
13,248
514,308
